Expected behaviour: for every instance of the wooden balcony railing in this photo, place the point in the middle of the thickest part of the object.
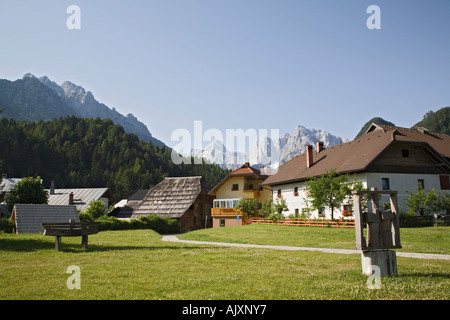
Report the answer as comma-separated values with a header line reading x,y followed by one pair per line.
x,y
223,212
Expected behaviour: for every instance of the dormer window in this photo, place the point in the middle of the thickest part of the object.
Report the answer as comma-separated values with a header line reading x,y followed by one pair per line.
x,y
405,153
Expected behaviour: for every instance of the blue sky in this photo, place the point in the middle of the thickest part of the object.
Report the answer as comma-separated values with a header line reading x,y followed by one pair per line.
x,y
261,64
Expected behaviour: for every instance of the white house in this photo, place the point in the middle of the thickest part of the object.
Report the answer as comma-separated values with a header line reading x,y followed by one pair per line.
x,y
385,157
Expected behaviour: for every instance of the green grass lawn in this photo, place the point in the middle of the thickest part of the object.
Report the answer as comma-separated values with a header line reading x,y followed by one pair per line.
x,y
136,264
421,240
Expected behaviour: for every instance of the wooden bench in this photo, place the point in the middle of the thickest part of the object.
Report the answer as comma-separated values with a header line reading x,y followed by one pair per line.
x,y
70,229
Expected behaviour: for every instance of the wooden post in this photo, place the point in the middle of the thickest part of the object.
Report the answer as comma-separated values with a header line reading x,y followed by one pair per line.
x,y
396,222
57,243
360,243
84,242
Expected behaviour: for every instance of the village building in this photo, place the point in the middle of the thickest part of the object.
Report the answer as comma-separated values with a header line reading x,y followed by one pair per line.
x,y
243,183
185,199
28,217
385,157
79,197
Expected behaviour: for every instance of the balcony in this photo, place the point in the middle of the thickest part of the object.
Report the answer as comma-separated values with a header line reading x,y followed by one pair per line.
x,y
223,212
251,194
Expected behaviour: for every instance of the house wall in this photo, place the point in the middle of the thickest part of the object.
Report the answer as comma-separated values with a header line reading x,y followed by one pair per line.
x,y
229,222
198,214
399,182
225,191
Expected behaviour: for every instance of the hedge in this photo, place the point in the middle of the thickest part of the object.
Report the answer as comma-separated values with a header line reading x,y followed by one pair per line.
x,y
415,221
154,222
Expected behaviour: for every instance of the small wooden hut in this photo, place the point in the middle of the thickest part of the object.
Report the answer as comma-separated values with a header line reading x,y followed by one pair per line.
x,y
185,199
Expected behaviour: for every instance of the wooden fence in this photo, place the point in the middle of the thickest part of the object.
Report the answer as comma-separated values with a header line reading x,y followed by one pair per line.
x,y
324,223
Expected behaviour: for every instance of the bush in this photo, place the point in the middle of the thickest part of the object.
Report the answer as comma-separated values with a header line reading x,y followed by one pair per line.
x,y
96,209
85,217
7,225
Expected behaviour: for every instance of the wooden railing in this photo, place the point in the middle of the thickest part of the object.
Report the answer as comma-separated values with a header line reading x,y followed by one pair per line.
x,y
223,212
334,223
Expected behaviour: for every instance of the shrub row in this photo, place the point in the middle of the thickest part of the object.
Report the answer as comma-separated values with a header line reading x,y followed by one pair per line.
x,y
415,221
154,222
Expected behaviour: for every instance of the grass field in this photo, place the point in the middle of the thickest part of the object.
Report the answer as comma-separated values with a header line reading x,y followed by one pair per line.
x,y
422,240
136,264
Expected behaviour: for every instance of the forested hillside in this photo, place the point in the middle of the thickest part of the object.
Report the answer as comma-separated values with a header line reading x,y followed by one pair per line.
x,y
77,152
438,121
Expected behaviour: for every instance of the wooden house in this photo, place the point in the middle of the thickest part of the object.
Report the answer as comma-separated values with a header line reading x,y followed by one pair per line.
x,y
185,199
243,183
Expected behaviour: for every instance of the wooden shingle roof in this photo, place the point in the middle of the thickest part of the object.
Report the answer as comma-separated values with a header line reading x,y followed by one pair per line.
x,y
171,198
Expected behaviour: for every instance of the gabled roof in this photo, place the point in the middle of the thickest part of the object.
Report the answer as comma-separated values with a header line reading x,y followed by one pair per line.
x,y
357,155
245,170
170,198
439,141
82,196
29,217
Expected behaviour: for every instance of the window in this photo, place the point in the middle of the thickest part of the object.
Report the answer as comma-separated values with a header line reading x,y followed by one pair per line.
x,y
445,182
385,183
222,222
279,193
405,153
295,191
235,187
421,184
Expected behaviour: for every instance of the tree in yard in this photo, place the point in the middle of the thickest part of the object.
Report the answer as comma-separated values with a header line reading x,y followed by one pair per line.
x,y
267,208
278,207
329,190
425,202
96,209
28,191
248,206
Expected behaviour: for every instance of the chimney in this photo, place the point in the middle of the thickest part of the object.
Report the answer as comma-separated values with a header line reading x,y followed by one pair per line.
x,y
319,146
52,187
247,165
262,169
309,156
71,198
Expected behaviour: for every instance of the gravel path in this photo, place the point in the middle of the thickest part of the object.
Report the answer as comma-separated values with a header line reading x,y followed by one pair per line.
x,y
173,238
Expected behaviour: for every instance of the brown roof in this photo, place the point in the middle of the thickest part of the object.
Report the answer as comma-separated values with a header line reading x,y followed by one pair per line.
x,y
245,170
357,155
171,198
439,141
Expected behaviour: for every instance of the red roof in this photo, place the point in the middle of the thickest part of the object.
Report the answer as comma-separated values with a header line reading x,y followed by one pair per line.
x,y
245,170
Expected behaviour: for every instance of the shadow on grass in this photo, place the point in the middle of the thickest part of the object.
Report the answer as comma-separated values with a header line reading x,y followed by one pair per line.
x,y
31,245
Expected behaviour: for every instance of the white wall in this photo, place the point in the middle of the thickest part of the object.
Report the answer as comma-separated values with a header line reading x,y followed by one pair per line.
x,y
397,181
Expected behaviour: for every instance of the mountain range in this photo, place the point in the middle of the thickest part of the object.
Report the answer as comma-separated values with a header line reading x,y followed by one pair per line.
x,y
268,152
33,99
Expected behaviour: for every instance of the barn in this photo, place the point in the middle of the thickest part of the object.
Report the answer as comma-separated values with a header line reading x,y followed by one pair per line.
x,y
185,199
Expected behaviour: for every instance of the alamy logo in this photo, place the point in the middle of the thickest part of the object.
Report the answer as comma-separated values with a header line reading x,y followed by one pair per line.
x,y
374,281
73,22
190,147
74,281
374,21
